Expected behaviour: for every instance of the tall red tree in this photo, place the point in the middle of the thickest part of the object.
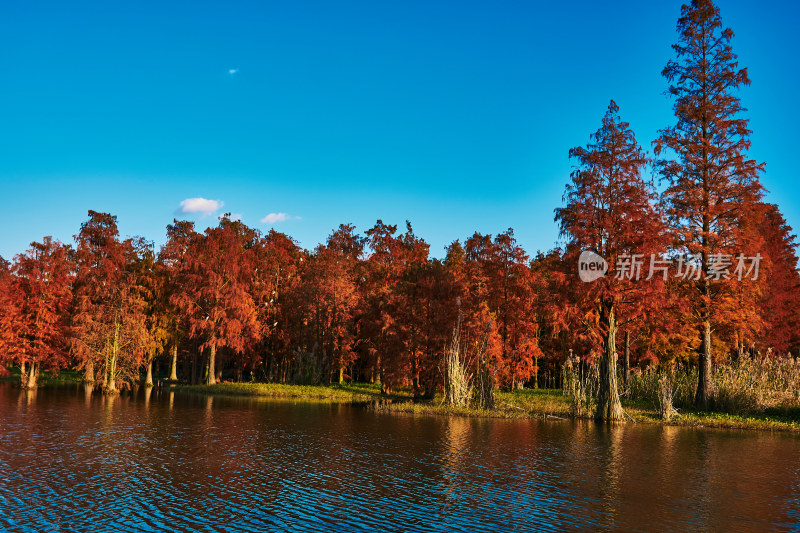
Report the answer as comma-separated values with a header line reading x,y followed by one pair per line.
x,y
610,211
274,285
215,296
172,260
500,280
391,316
42,276
377,323
109,322
150,281
713,186
332,282
410,306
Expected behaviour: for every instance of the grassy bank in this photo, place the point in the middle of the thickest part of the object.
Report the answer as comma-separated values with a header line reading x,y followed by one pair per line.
x,y
46,377
522,404
349,393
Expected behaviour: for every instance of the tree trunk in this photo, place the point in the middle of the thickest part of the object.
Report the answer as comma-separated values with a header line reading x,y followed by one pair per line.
x,y
173,372
148,381
608,403
23,376
212,355
31,381
111,382
704,370
415,376
194,367
626,364
88,373
341,374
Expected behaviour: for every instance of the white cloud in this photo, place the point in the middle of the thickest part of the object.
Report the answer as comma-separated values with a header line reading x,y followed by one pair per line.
x,y
200,205
272,218
233,71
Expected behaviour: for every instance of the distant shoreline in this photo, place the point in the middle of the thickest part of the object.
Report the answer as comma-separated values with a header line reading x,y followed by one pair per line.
x,y
526,404
542,404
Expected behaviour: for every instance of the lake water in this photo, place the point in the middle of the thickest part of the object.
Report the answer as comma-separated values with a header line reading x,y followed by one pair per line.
x,y
177,462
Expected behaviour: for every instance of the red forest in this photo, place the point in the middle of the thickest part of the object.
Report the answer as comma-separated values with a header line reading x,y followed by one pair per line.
x,y
233,303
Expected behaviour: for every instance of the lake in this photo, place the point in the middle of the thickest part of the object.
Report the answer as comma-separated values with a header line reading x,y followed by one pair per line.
x,y
178,462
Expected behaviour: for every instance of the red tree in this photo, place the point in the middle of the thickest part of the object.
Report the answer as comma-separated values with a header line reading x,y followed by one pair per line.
x,y
779,304
331,284
712,185
109,324
9,316
42,276
172,260
500,283
610,211
274,288
215,296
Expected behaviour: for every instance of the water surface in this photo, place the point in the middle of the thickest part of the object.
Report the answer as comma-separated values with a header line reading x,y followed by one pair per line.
x,y
178,462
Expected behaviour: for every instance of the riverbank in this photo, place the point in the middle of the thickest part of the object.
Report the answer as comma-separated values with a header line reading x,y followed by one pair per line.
x,y
548,404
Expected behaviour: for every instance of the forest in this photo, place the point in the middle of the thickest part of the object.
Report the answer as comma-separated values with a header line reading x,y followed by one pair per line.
x,y
232,303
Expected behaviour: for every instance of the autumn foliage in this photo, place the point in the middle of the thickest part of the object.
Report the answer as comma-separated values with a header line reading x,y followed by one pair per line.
x,y
233,303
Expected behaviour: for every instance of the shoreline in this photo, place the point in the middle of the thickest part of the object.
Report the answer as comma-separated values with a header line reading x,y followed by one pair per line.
x,y
526,404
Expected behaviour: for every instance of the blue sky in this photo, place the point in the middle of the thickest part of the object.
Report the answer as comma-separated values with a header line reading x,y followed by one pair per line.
x,y
455,115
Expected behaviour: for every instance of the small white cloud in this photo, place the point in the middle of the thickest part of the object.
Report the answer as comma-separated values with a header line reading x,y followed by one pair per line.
x,y
200,205
272,218
233,71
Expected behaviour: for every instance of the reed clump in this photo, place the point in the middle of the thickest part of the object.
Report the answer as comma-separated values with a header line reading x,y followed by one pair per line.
x,y
581,383
458,381
749,385
755,384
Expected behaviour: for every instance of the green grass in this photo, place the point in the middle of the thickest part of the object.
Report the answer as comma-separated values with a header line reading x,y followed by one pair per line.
x,y
46,377
546,404
348,393
769,420
539,403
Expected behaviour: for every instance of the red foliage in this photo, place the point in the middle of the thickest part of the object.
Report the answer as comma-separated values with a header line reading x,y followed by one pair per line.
x,y
43,276
215,293
713,186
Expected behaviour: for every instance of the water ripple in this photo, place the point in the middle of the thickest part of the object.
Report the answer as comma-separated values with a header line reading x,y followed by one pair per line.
x,y
186,463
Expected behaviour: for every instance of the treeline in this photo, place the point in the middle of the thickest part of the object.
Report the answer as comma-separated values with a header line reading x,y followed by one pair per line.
x,y
234,303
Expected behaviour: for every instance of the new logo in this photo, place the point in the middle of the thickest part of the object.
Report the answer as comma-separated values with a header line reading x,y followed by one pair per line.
x,y
591,266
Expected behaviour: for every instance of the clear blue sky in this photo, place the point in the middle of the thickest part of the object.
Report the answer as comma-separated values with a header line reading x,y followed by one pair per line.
x,y
455,115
